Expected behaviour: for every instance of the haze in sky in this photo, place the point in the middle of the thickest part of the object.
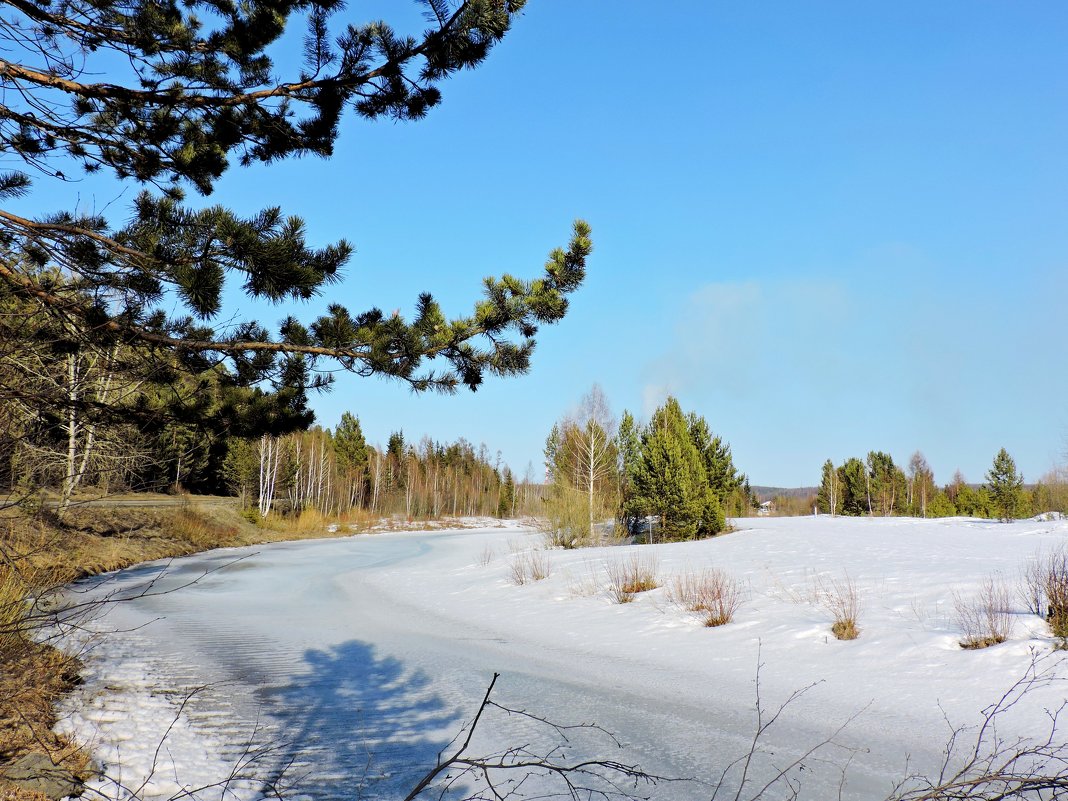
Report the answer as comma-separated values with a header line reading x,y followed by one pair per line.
x,y
828,228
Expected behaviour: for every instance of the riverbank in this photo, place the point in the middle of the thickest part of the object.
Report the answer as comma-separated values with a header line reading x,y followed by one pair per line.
x,y
40,552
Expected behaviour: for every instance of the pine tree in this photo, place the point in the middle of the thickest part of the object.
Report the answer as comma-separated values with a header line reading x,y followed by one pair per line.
x,y
1005,486
629,448
671,481
202,85
554,456
723,479
885,483
853,478
350,447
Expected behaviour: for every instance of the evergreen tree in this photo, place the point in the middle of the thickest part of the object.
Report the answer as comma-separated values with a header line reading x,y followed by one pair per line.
x,y
395,448
352,457
204,84
939,505
240,468
853,478
1004,485
506,504
558,467
350,447
723,479
671,481
885,483
628,441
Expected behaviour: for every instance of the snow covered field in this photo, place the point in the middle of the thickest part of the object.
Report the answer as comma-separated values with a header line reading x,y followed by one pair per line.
x,y
340,668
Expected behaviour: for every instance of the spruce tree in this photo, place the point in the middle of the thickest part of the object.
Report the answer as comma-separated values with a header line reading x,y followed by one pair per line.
x,y
506,504
166,95
1005,486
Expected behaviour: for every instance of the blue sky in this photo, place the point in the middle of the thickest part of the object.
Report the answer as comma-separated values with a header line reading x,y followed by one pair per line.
x,y
827,227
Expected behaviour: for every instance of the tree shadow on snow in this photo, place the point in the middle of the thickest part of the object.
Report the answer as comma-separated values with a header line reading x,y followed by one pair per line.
x,y
356,726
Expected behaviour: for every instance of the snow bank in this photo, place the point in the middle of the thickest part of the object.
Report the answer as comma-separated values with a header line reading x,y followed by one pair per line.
x,y
354,661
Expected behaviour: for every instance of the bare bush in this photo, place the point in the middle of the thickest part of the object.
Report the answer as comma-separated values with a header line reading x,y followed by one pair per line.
x,y
628,577
841,599
485,556
984,620
711,594
566,523
1032,586
1056,589
528,566
540,565
1045,590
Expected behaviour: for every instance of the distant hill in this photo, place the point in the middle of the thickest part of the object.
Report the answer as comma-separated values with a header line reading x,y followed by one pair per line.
x,y
767,493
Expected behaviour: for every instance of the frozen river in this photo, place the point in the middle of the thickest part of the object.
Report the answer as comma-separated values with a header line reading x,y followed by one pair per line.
x,y
339,669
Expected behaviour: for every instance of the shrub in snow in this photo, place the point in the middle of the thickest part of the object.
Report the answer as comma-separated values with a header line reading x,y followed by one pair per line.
x,y
1045,590
530,566
841,599
711,594
626,578
984,620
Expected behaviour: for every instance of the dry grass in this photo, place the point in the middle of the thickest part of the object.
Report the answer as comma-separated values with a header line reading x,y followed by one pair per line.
x,y
711,594
358,520
200,531
307,523
841,599
529,566
14,793
986,619
630,576
32,678
12,605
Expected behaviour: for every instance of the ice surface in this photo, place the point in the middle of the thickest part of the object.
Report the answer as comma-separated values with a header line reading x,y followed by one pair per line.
x,y
340,668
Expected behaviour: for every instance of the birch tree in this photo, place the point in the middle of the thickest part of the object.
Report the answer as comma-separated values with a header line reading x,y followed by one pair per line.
x,y
270,453
921,483
829,492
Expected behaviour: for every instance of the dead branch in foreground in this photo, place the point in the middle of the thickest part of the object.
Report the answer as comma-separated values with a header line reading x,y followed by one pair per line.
x,y
979,763
502,775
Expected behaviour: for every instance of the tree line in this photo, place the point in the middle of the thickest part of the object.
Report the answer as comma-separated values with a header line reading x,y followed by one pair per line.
x,y
877,486
337,472
671,479
78,415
